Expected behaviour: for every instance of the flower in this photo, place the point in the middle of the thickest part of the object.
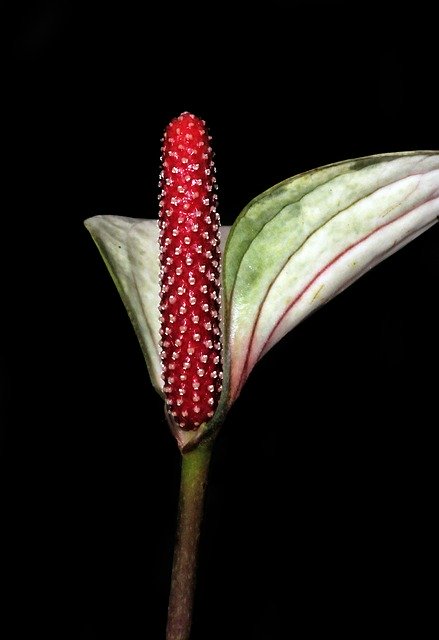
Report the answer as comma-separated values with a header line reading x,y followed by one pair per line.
x,y
189,274
292,249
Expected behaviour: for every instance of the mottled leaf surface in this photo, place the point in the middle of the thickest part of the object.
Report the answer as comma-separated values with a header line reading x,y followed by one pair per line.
x,y
303,241
129,247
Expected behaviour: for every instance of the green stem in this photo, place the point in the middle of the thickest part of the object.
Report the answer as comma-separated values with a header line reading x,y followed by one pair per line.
x,y
194,470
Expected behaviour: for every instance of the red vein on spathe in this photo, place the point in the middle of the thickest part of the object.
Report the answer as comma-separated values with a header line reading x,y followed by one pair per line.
x,y
318,274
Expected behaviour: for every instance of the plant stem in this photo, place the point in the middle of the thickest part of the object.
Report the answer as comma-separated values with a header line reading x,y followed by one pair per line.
x,y
194,470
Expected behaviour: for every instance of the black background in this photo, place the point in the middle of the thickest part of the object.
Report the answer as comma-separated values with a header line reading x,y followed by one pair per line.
x,y
320,506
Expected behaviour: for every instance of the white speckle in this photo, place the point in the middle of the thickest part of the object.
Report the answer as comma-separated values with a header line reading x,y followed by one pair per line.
x,y
179,271
203,359
181,290
187,240
196,385
172,299
188,260
197,337
200,372
182,310
197,409
192,300
190,351
205,307
210,401
195,397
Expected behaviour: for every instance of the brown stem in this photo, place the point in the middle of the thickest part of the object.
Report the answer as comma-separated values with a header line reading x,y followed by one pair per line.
x,y
194,470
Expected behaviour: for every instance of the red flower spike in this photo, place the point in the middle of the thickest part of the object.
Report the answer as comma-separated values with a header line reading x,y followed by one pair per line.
x,y
189,274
